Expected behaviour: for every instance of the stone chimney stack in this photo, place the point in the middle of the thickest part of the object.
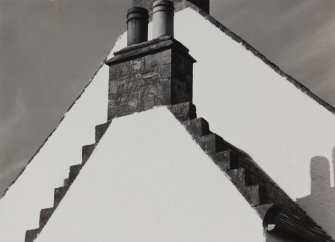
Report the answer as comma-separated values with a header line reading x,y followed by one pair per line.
x,y
151,73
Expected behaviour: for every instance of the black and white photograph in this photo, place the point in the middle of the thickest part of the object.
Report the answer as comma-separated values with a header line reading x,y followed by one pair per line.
x,y
167,120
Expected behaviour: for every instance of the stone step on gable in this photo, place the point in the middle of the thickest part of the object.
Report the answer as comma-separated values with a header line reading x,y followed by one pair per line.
x,y
184,111
239,177
74,171
255,195
212,143
226,160
32,234
87,151
197,127
66,182
100,131
60,192
45,214
264,210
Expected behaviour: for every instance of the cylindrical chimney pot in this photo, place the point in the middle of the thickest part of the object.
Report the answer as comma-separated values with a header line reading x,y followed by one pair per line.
x,y
162,18
137,25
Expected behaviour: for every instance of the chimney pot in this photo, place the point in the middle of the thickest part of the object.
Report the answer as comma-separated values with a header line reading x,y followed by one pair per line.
x,y
163,22
137,25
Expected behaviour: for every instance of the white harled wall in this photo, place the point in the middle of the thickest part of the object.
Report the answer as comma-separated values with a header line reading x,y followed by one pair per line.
x,y
148,181
33,190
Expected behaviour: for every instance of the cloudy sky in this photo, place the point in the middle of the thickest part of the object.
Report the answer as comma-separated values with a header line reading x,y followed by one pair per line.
x,y
50,48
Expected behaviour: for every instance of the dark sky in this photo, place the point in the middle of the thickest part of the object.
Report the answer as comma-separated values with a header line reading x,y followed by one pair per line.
x,y
50,48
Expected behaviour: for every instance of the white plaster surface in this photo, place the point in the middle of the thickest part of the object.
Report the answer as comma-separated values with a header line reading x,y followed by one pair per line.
x,y
33,191
259,111
148,181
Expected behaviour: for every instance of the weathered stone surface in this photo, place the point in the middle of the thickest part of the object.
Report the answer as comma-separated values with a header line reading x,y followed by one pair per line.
x,y
183,111
59,194
212,143
226,160
74,171
32,234
151,74
197,127
100,131
45,214
87,150
255,195
238,177
263,209
66,182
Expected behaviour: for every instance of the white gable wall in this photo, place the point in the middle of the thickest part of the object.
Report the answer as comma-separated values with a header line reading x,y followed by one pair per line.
x,y
33,190
148,181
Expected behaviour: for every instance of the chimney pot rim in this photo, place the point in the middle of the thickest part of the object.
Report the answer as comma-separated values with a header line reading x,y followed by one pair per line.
x,y
139,10
139,13
169,4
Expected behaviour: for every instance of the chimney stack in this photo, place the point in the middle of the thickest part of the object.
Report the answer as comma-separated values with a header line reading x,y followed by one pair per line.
x,y
162,18
153,73
137,25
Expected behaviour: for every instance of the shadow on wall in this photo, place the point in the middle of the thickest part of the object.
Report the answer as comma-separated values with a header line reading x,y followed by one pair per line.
x,y
320,204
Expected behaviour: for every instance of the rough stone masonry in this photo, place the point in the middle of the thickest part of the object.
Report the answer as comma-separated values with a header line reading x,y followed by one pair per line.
x,y
154,73
149,73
